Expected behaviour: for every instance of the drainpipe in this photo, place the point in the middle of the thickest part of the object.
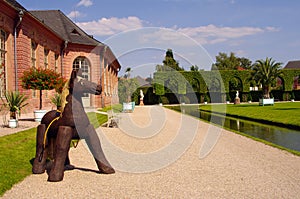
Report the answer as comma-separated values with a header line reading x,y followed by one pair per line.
x,y
64,46
21,14
101,97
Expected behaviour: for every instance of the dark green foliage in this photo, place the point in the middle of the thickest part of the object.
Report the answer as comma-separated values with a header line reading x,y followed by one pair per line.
x,y
292,95
15,101
127,89
265,72
169,63
249,97
164,100
223,81
231,62
228,98
194,68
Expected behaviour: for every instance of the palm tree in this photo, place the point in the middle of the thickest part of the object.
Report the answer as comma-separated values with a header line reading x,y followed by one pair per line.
x,y
127,75
265,73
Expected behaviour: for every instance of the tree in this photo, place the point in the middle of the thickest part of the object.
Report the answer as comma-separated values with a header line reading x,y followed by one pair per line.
x,y
42,79
127,88
265,72
231,62
127,73
194,68
169,63
245,63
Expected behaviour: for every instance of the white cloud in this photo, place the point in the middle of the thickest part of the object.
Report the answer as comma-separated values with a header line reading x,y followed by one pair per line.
x,y
85,3
212,34
209,34
111,26
75,14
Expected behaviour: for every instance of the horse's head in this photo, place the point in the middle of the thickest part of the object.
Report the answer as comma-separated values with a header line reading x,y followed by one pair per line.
x,y
79,85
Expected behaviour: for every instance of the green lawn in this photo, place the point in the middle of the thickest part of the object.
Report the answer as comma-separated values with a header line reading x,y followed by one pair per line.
x,y
17,150
287,114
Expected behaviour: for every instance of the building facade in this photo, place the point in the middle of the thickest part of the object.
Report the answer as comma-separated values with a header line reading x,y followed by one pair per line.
x,y
49,39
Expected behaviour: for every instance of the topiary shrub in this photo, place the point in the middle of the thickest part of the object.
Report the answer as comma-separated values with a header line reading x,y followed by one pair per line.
x,y
164,100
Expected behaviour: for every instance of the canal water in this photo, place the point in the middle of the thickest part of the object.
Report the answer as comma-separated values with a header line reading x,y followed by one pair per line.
x,y
287,138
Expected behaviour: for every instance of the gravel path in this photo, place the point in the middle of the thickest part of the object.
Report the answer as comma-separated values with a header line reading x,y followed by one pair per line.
x,y
26,121
237,167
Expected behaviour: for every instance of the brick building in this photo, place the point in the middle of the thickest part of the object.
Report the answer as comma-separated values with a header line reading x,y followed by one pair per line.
x,y
49,39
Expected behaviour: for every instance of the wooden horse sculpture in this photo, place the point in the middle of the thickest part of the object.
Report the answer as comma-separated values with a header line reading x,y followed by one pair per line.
x,y
58,129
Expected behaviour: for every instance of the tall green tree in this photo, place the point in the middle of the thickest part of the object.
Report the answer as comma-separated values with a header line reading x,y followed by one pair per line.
x,y
169,63
127,73
127,89
265,72
194,68
231,62
245,63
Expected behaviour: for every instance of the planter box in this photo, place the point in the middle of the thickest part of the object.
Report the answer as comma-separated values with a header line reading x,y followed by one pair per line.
x,y
263,102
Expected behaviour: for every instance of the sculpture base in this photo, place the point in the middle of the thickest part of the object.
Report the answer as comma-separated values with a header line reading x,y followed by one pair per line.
x,y
237,100
141,102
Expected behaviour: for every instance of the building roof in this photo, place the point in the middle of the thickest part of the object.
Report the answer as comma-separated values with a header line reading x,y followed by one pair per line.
x,y
15,4
57,22
293,65
64,27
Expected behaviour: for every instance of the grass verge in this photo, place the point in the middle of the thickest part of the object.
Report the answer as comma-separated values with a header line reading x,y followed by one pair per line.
x,y
281,114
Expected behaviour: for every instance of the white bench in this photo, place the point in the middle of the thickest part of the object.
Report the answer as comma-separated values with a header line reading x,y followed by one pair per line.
x,y
263,102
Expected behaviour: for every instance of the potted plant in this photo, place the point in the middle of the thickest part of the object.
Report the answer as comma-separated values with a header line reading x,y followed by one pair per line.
x,y
41,79
15,102
56,100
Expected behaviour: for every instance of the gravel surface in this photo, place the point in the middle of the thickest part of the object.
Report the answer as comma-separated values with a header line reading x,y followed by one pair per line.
x,y
26,121
236,167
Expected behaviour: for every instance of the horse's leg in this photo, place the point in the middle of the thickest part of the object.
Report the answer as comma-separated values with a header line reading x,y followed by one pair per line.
x,y
39,163
63,139
51,148
94,145
68,165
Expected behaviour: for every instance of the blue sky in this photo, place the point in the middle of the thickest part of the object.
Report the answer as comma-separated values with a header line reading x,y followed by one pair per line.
x,y
196,30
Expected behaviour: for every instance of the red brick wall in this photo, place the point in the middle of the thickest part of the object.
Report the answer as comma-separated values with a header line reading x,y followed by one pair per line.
x,y
33,30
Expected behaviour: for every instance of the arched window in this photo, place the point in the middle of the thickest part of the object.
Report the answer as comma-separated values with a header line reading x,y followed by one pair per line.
x,y
2,62
84,64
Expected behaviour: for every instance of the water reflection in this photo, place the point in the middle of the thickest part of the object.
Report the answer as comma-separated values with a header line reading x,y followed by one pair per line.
x,y
285,137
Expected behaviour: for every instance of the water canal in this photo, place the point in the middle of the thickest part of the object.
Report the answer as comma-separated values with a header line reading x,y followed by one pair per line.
x,y
285,137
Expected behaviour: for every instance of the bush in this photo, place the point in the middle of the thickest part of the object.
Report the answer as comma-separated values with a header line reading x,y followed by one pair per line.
x,y
249,97
185,99
164,100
